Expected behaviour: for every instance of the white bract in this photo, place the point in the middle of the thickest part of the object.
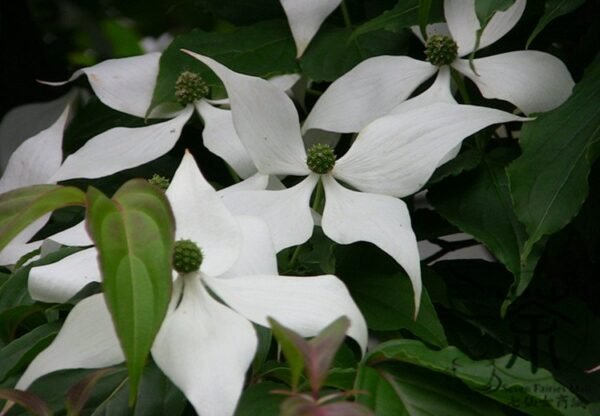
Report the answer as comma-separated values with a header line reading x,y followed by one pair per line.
x,y
531,80
305,17
37,160
127,85
392,157
205,347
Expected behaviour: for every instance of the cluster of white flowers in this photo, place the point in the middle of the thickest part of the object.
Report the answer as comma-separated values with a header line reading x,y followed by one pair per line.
x,y
257,131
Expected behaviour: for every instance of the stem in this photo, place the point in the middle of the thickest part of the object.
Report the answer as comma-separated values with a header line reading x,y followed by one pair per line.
x,y
233,175
346,14
462,88
317,205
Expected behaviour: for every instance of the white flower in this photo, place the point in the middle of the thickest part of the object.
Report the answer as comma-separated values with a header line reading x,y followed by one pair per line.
x,y
35,161
533,81
127,85
392,157
203,346
305,17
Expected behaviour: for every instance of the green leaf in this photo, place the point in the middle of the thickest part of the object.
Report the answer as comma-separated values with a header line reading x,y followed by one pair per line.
x,y
31,402
258,400
21,351
21,207
424,10
406,390
552,10
485,9
335,51
134,236
293,347
158,396
507,379
264,49
404,14
549,181
384,294
479,203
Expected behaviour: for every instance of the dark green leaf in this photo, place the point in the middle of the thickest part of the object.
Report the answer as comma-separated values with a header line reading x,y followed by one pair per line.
x,y
21,207
335,51
158,396
28,400
485,9
384,294
424,10
134,235
404,14
406,390
21,351
478,202
264,49
258,400
466,160
507,379
549,181
552,10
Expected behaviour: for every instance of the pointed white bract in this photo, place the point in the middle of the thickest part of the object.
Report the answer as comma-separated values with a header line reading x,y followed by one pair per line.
x,y
392,157
205,347
305,17
127,85
531,80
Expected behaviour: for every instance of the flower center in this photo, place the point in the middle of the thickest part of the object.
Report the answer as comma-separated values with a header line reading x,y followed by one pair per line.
x,y
320,158
441,50
190,87
187,256
159,181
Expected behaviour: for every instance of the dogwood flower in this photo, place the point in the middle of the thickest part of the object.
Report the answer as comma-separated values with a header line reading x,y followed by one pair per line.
x,y
127,85
35,161
392,157
531,80
305,17
203,346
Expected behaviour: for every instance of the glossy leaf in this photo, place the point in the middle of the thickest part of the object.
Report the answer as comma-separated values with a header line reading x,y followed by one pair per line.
x,y
16,355
21,207
334,51
404,14
259,400
134,235
485,9
552,10
549,182
264,49
479,203
424,9
509,380
407,390
384,294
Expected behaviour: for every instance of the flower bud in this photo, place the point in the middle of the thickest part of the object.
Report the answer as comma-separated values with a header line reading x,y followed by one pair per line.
x,y
320,158
190,87
187,256
441,50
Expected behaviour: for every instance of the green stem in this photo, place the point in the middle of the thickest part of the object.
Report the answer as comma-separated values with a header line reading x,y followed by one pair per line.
x,y
317,204
233,175
346,14
462,88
